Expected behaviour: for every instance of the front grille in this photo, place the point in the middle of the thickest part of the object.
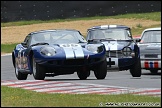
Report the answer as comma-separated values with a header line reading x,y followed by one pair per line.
x,y
81,61
74,62
151,56
117,53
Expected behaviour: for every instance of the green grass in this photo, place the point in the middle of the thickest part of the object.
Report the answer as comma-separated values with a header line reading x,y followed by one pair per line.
x,y
8,48
155,16
16,97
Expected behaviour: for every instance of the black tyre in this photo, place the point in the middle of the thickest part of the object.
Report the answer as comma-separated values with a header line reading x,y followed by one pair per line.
x,y
101,70
136,69
38,71
83,74
19,75
154,71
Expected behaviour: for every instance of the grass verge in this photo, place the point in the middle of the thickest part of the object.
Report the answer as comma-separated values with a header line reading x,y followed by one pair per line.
x,y
8,48
16,97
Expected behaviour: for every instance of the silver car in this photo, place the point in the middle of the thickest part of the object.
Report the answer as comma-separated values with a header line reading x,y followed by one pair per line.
x,y
150,49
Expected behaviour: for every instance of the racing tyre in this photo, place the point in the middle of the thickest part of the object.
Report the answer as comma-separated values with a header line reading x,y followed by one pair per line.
x,y
101,71
38,71
154,71
136,69
19,75
83,74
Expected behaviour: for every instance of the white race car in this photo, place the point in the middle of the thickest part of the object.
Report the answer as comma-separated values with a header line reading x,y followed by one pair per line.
x,y
150,49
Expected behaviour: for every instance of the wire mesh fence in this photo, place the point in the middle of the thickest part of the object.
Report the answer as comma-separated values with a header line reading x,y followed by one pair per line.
x,y
47,10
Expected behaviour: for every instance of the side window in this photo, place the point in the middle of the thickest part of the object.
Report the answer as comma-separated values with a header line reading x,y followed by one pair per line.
x,y
129,33
88,37
27,40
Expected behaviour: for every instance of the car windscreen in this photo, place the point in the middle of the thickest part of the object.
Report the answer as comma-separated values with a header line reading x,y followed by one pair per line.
x,y
153,36
117,34
57,37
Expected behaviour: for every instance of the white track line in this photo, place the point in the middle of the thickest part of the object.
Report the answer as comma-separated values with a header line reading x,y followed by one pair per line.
x,y
8,54
77,88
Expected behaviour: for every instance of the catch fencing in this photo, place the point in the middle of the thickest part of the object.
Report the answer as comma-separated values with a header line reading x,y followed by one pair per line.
x,y
47,10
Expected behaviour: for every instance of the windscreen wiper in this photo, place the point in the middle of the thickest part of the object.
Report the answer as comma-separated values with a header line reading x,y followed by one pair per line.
x,y
107,39
81,42
42,43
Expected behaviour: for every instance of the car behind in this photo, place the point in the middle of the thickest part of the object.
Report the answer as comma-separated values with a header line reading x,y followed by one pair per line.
x,y
121,51
150,49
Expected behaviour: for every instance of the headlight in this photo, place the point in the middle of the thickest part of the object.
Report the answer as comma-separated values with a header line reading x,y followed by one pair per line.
x,y
48,51
127,51
95,49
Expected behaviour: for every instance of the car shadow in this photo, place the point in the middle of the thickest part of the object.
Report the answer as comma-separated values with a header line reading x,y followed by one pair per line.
x,y
159,73
67,79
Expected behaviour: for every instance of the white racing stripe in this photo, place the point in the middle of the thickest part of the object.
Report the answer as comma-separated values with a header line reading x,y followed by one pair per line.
x,y
111,46
68,52
106,45
104,26
112,26
78,52
73,50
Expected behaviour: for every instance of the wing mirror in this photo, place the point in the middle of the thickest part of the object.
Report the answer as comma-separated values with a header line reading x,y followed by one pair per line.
x,y
137,39
24,44
89,41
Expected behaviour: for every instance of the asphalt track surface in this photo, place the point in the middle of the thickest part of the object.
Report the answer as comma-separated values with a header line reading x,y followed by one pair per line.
x,y
115,80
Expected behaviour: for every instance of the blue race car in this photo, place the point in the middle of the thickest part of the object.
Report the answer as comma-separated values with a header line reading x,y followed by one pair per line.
x,y
121,50
58,52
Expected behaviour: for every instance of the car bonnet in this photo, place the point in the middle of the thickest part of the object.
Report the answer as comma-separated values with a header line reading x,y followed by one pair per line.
x,y
117,45
71,50
150,48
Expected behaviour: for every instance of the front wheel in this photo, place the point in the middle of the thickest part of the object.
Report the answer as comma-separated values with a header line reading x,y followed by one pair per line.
x,y
38,71
136,69
101,70
83,74
19,75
